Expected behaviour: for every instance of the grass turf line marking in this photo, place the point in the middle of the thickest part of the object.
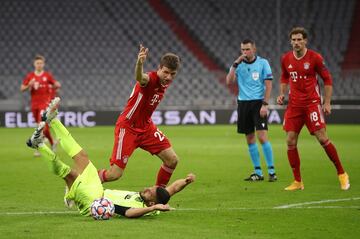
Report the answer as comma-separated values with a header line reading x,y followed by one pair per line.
x,y
187,210
295,205
39,213
265,208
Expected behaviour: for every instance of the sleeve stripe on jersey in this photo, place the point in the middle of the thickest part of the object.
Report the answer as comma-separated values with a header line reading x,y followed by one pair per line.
x,y
131,112
119,148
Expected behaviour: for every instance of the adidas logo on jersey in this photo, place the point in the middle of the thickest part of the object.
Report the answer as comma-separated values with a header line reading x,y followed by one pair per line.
x,y
290,66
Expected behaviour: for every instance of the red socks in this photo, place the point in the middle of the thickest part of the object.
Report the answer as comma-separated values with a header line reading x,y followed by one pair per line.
x,y
164,175
294,160
333,156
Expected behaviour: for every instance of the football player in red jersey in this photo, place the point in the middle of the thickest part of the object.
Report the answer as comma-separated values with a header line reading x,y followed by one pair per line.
x,y
134,127
299,71
40,83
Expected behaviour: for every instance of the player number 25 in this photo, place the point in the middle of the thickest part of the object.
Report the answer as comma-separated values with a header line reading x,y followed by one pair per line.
x,y
159,134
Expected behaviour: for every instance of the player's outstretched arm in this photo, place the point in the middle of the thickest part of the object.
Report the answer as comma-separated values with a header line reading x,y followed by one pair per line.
x,y
142,78
180,184
138,212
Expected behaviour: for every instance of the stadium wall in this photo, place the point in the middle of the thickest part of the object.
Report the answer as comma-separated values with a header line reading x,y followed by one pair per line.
x,y
22,119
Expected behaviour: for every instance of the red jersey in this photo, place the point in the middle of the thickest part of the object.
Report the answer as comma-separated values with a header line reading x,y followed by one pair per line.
x,y
142,103
40,91
301,75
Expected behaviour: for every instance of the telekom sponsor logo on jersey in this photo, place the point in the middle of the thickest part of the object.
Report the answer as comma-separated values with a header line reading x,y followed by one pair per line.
x,y
155,99
293,75
36,85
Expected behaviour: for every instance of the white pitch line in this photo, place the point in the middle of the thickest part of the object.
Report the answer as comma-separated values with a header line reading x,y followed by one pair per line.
x,y
264,208
315,202
221,209
330,207
293,206
39,213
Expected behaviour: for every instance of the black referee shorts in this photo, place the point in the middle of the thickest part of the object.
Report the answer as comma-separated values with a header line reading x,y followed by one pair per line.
x,y
249,118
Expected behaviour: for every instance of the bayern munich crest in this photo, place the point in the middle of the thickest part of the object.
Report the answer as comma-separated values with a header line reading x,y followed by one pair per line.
x,y
306,65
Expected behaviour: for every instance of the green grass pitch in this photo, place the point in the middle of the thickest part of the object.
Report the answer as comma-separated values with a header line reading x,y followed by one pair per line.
x,y
218,205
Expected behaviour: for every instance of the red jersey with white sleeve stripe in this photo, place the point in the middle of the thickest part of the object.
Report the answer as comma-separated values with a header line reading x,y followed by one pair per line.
x,y
301,75
40,91
142,103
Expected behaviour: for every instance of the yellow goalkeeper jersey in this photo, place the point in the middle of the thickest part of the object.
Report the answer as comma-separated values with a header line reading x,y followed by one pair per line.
x,y
127,199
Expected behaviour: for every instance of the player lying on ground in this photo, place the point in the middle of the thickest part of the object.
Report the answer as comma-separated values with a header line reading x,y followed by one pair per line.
x,y
83,181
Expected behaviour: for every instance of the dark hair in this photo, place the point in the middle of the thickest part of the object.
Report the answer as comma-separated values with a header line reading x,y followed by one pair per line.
x,y
246,41
171,61
39,57
298,30
162,195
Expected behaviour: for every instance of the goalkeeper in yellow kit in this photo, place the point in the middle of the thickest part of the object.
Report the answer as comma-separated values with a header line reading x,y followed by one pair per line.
x,y
83,181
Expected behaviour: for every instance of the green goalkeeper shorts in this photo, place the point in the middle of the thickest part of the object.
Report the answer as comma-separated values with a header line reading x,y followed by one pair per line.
x,y
86,188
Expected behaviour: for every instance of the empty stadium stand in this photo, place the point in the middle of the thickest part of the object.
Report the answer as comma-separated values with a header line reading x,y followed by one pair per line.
x,y
91,45
221,25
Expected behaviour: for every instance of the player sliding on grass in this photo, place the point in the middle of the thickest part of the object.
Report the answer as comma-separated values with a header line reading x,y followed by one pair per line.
x,y
83,181
134,127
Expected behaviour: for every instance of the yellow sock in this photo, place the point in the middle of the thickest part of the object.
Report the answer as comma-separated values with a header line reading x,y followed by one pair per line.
x,y
56,165
67,142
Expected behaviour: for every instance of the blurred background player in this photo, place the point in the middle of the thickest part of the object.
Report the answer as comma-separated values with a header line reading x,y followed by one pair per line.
x,y
42,86
299,70
254,79
83,179
134,127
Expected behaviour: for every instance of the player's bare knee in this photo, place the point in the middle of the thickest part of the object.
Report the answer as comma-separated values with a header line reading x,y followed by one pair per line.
x,y
263,139
291,141
172,161
250,138
322,140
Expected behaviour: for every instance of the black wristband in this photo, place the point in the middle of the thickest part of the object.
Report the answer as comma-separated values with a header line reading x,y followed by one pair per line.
x,y
265,103
235,64
120,210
